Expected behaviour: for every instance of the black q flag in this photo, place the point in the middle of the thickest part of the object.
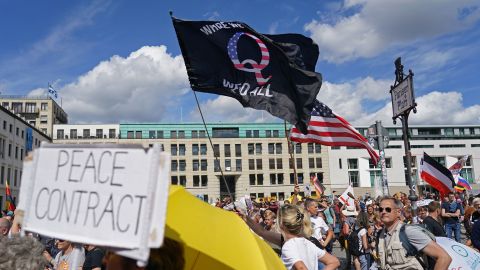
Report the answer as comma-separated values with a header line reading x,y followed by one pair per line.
x,y
273,73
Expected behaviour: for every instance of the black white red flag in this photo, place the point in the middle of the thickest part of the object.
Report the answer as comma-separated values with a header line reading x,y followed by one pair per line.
x,y
436,175
327,128
232,59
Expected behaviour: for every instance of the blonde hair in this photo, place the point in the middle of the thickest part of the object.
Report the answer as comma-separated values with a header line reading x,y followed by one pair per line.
x,y
269,213
294,220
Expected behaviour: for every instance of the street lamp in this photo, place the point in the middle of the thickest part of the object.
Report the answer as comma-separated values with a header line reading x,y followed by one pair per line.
x,y
403,101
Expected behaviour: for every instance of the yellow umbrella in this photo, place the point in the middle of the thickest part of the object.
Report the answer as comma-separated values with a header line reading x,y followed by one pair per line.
x,y
214,238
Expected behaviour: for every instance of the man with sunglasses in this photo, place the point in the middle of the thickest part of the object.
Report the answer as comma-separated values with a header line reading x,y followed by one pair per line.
x,y
391,252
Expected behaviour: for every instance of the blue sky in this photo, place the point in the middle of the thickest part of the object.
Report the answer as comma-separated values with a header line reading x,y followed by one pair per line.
x,y
119,61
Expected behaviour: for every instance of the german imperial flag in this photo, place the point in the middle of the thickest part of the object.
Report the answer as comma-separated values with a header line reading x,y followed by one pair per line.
x,y
10,204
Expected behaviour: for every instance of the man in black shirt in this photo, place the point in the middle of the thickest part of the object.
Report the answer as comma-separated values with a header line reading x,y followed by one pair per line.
x,y
93,258
431,221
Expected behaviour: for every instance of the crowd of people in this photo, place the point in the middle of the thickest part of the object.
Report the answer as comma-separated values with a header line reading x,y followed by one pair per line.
x,y
382,233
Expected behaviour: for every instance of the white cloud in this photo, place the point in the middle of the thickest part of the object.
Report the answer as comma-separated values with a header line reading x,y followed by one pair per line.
x,y
272,29
433,108
378,24
139,88
229,110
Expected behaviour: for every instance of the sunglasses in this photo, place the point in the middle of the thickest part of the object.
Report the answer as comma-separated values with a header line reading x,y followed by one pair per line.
x,y
387,209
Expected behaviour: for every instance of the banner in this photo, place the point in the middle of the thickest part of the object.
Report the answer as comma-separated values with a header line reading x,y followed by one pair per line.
x,y
346,197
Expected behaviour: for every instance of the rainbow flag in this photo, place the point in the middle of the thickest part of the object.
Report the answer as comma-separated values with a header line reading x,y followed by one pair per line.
x,y
9,203
462,182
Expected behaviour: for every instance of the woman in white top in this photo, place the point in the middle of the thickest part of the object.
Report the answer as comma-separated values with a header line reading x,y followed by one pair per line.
x,y
298,252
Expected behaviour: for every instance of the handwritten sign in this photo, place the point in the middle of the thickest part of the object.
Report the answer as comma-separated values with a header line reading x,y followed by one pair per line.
x,y
402,96
106,195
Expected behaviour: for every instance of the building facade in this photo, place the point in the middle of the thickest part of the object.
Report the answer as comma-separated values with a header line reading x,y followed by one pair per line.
x,y
254,158
17,138
41,112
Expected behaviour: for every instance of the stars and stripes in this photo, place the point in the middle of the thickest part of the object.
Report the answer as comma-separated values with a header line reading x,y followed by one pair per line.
x,y
327,128
255,67
319,188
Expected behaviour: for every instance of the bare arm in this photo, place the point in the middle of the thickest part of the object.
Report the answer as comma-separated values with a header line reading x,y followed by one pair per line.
x,y
329,237
329,261
299,266
270,236
364,241
442,259
444,214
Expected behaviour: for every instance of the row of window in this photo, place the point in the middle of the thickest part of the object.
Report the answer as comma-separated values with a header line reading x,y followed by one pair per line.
x,y
30,107
13,179
198,180
216,133
86,133
18,132
18,154
278,178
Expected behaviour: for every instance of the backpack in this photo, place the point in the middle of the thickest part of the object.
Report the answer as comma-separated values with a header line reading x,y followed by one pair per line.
x,y
354,243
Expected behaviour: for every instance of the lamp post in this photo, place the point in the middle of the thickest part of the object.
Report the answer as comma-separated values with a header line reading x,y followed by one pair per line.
x,y
403,101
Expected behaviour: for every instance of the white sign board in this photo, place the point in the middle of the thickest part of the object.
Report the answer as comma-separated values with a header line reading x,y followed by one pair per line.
x,y
105,195
402,96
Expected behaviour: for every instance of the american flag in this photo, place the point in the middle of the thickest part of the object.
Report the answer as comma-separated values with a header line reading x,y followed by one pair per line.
x,y
319,188
327,128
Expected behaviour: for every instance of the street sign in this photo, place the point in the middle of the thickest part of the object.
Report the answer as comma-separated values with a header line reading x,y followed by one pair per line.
x,y
402,96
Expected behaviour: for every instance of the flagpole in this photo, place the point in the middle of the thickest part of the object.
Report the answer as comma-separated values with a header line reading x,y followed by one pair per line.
x,y
290,151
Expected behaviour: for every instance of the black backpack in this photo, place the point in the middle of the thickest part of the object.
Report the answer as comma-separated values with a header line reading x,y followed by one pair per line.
x,y
354,243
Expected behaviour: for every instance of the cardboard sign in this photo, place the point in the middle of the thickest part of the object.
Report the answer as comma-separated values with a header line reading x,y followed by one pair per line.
x,y
105,195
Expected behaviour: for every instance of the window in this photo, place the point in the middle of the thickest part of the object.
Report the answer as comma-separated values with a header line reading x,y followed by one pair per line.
x,y
238,165
318,148
17,131
21,154
260,179
310,148
86,133
203,164
256,133
248,133
273,179
279,164
258,148
238,150
16,152
195,149
352,163
23,133
183,180
311,163
151,134
196,180
275,133
129,134
259,164
340,163
181,134
111,133
278,148
2,174
159,134
298,148
195,165
388,162
44,106
73,133
271,148
280,178
225,133
300,178
226,148
353,178
194,134
251,164
173,149
202,134
319,162
60,134
292,178
216,150
9,149
174,180
4,124
181,149
173,134
17,107
271,164
228,164
182,165
299,163
252,179
138,134
268,133
203,149
204,180
216,165
251,148
174,166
